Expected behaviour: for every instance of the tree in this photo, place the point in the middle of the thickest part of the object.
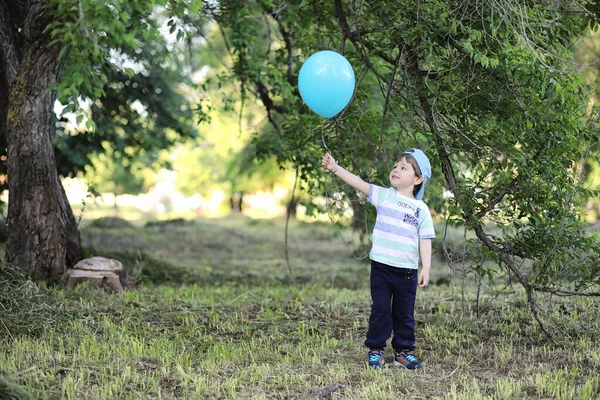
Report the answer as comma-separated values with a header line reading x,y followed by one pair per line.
x,y
249,171
42,232
110,175
51,47
141,111
227,158
588,56
489,89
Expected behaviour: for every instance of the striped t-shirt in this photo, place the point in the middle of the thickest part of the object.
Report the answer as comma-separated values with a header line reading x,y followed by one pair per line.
x,y
401,222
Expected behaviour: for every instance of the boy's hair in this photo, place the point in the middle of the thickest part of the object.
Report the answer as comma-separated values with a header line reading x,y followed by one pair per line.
x,y
412,161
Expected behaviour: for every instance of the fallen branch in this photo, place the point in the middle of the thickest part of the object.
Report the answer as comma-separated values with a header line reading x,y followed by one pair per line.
x,y
326,391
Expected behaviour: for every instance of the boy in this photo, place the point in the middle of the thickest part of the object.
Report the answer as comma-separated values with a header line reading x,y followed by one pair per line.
x,y
402,231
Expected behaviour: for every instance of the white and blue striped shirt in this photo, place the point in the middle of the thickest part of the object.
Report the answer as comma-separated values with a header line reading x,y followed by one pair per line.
x,y
401,222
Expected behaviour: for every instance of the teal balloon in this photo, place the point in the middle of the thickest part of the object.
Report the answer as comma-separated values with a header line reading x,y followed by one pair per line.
x,y
326,83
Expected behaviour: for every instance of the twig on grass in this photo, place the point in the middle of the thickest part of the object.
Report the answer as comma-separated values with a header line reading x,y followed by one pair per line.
x,y
7,330
452,373
326,391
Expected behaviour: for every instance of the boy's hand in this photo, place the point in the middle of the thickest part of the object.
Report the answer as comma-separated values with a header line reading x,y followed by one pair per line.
x,y
424,278
329,162
355,181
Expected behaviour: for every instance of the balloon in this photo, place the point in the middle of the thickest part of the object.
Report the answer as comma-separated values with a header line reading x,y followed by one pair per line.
x,y
326,82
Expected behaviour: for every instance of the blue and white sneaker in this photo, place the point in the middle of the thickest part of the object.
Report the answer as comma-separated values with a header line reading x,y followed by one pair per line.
x,y
406,359
376,359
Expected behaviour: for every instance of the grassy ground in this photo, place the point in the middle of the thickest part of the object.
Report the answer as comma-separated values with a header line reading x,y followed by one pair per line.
x,y
217,317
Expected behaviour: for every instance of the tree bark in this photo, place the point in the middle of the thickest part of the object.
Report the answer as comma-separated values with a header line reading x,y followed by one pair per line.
x,y
10,14
292,207
43,238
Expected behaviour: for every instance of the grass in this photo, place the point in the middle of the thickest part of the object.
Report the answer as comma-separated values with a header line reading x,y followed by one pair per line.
x,y
217,317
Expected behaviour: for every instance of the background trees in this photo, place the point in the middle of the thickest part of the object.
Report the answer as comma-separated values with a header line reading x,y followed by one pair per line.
x,y
114,57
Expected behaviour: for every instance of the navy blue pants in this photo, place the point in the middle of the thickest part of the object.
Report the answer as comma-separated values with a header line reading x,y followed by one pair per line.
x,y
393,291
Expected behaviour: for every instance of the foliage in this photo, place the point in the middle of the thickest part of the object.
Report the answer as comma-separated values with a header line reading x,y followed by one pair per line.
x,y
107,175
490,90
248,173
120,65
587,55
223,158
202,164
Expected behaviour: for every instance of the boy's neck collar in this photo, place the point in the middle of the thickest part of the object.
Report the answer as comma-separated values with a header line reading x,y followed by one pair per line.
x,y
409,194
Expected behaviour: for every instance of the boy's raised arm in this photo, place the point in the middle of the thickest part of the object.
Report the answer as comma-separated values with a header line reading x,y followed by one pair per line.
x,y
355,181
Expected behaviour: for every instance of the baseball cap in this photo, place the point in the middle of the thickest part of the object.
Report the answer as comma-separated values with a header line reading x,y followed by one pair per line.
x,y
424,166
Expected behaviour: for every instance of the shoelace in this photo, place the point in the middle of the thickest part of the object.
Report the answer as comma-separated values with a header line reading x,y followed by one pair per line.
x,y
374,357
409,356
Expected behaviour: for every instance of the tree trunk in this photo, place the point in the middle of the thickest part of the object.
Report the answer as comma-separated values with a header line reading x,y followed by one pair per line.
x,y
292,207
43,238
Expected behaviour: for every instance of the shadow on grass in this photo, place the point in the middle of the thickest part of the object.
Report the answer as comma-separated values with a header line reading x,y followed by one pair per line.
x,y
12,390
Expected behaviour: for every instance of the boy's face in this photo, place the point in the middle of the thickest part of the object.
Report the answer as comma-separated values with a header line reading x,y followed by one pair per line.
x,y
403,175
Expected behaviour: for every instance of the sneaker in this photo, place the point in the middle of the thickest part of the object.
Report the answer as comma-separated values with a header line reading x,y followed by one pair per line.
x,y
406,359
376,359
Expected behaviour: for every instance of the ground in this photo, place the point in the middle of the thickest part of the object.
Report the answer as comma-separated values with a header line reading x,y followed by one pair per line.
x,y
216,315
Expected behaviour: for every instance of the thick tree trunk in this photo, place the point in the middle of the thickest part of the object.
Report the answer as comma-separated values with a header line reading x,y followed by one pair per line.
x,y
10,15
43,238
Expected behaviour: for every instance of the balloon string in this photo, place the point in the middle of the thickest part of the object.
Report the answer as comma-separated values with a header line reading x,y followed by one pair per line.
x,y
329,205
324,145
323,138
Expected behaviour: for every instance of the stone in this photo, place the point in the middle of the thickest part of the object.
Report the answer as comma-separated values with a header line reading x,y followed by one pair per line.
x,y
101,264
99,272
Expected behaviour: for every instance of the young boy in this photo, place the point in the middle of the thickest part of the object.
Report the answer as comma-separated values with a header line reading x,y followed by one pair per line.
x,y
403,229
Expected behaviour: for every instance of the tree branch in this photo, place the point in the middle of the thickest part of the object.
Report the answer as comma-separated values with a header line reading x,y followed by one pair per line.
x,y
507,189
356,37
449,175
493,202
287,39
450,40
564,293
533,306
261,90
263,94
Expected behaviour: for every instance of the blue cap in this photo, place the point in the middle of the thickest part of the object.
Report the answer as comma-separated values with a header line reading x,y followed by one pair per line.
x,y
424,166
